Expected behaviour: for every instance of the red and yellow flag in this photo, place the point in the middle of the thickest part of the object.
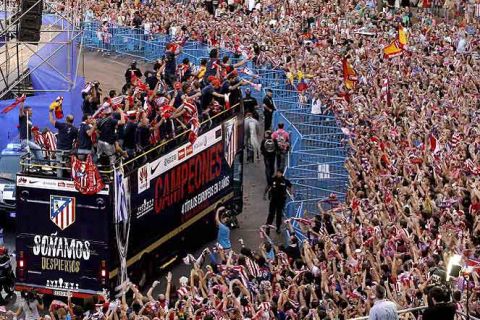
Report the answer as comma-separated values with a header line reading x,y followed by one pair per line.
x,y
402,37
349,75
397,46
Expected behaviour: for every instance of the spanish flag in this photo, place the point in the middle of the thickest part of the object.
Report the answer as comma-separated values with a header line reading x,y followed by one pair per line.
x,y
56,106
402,37
397,46
349,75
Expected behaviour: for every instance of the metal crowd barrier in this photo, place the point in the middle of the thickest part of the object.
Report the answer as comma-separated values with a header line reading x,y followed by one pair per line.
x,y
460,315
317,155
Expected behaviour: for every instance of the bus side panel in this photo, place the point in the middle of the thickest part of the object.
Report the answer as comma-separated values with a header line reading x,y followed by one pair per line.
x,y
62,236
180,188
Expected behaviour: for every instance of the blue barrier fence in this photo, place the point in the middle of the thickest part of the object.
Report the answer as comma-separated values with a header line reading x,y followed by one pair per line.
x,y
317,153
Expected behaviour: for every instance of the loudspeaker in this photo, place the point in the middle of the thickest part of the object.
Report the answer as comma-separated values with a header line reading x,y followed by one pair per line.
x,y
31,20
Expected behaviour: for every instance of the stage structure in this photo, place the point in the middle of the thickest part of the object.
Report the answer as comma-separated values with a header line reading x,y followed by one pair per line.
x,y
39,38
40,56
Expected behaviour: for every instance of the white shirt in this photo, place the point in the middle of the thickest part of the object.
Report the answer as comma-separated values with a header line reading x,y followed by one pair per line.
x,y
462,45
383,310
30,309
251,5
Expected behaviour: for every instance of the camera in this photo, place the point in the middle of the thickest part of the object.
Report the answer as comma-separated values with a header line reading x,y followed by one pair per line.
x,y
30,296
230,215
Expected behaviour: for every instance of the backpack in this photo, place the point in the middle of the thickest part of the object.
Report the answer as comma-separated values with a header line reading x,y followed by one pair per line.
x,y
283,144
269,145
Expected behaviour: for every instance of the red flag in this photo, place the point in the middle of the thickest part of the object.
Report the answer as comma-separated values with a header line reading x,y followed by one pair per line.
x,y
302,86
13,105
472,263
434,146
227,101
86,177
138,83
190,117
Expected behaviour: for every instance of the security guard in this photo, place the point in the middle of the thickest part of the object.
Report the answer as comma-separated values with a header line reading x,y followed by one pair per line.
x,y
278,193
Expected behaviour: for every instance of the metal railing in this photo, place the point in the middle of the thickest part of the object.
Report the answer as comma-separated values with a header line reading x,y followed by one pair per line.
x,y
461,315
421,308
51,164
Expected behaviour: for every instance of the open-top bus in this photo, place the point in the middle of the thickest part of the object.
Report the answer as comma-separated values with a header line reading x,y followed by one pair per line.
x,y
66,241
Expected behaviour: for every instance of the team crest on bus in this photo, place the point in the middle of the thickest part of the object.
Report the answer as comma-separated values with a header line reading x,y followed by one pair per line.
x,y
230,145
62,211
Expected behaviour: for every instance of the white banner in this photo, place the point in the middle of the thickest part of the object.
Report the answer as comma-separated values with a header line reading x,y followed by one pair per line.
x,y
183,153
50,184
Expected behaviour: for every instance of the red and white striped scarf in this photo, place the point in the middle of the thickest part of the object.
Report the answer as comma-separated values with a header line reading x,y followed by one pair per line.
x,y
240,270
252,268
47,141
456,139
470,167
183,291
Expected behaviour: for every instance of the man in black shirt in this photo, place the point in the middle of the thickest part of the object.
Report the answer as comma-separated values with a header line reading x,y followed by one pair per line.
x,y
438,306
142,135
137,20
232,86
67,134
208,93
151,80
213,64
133,70
250,104
268,147
278,196
171,63
268,109
85,137
25,128
107,137
130,130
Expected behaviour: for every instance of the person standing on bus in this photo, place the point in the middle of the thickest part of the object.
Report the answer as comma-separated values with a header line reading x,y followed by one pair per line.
x,y
142,134
223,235
25,128
85,145
278,196
107,136
132,70
67,134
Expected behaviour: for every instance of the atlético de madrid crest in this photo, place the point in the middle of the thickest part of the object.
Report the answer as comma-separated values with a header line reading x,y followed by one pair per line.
x,y
62,211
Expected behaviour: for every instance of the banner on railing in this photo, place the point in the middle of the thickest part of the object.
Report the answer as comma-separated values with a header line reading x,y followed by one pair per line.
x,y
323,171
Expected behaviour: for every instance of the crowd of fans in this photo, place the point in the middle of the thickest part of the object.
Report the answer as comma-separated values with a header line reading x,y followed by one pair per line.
x,y
412,127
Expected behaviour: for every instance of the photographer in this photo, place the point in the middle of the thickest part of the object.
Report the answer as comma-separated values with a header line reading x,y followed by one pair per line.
x,y
223,235
30,306
439,305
